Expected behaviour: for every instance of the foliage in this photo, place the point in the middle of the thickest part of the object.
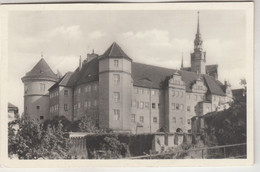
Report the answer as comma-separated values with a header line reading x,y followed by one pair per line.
x,y
105,146
33,142
68,126
230,125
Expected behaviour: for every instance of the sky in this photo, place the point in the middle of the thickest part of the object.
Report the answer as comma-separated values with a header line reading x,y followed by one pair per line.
x,y
151,37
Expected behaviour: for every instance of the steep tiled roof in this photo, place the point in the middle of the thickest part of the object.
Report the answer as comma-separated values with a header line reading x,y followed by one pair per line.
x,y
152,76
114,51
41,69
63,81
211,70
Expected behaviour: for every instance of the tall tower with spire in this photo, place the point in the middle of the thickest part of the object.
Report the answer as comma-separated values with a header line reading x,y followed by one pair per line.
x,y
198,57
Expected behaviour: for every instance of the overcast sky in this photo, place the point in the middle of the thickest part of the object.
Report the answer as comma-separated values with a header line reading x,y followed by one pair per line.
x,y
151,37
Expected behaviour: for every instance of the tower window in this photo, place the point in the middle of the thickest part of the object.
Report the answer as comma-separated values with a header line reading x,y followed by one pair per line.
x,y
153,105
41,117
116,114
132,117
116,97
115,63
177,106
38,107
188,121
65,107
116,78
155,119
66,92
42,86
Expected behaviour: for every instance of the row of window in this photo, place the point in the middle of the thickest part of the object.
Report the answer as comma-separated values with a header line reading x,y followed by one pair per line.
x,y
177,106
87,89
146,91
142,105
54,94
216,98
196,97
141,119
174,120
87,104
54,108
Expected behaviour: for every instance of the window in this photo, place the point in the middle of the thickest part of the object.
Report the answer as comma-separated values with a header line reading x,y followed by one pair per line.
x,y
174,119
153,92
146,91
78,105
115,63
147,105
188,121
153,105
141,119
89,88
136,90
42,86
141,91
116,79
38,107
155,119
181,106
86,89
181,94
196,97
173,106
66,92
132,117
177,93
188,108
116,97
41,117
133,103
141,105
85,104
177,106
181,120
214,98
116,114
79,90
65,107
89,103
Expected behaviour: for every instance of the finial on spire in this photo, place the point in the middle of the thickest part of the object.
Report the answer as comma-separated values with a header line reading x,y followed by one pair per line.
x,y
41,54
93,52
182,61
198,24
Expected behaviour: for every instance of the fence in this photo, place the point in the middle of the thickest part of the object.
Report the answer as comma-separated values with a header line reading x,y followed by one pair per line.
x,y
234,151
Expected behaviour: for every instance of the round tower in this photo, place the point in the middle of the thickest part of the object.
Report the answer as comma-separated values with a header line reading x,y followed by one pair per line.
x,y
36,95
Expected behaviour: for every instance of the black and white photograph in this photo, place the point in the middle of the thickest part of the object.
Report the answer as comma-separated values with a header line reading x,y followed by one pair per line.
x,y
128,82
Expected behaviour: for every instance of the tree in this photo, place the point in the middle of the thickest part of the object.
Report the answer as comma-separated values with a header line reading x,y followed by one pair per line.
x,y
33,142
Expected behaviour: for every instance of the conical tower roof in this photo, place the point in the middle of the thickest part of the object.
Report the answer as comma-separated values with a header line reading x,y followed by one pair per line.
x,y
115,51
41,70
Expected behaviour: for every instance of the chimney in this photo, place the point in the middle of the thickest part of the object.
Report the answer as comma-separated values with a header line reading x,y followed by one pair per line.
x,y
92,56
80,63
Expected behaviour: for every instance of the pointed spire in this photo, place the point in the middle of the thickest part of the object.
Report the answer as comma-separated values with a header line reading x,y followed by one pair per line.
x,y
198,24
80,63
182,61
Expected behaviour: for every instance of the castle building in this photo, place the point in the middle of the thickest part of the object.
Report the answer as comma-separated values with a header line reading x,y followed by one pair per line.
x,y
117,93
